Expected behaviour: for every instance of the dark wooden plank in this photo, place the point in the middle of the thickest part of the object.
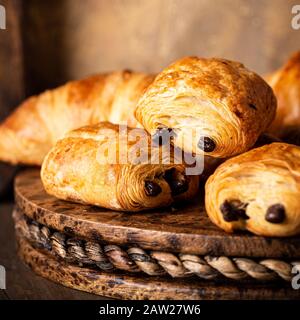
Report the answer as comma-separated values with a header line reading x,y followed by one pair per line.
x,y
11,76
22,283
11,58
186,230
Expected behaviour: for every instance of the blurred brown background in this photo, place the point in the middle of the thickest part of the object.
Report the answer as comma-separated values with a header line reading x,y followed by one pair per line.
x,y
49,42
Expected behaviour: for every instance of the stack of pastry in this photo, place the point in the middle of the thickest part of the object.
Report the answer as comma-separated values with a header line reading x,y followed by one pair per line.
x,y
207,108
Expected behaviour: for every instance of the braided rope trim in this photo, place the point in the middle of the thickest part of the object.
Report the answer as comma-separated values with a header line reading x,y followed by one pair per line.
x,y
154,263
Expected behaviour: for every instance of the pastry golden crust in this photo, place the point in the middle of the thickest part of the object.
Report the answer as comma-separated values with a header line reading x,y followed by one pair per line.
x,y
257,191
33,128
286,86
214,106
81,167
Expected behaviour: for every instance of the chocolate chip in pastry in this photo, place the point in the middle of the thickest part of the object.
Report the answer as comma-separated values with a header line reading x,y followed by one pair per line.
x,y
257,191
100,166
214,106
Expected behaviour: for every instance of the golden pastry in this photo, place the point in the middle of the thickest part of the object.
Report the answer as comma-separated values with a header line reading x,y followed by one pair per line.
x,y
257,191
32,129
211,106
97,165
286,86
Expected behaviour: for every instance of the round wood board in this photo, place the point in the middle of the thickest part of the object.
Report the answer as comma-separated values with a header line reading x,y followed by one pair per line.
x,y
171,232
138,287
183,230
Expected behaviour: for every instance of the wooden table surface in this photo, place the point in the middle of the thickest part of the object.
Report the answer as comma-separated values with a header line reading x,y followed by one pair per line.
x,y
21,282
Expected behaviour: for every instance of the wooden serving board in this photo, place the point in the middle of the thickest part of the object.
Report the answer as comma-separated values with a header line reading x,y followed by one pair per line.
x,y
139,287
55,238
184,230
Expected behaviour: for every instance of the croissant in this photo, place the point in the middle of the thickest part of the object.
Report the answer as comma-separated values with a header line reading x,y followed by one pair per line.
x,y
213,106
28,134
286,86
97,165
257,191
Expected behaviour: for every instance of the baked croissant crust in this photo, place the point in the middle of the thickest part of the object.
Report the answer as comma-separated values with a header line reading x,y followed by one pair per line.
x,y
28,134
257,191
213,106
91,165
286,86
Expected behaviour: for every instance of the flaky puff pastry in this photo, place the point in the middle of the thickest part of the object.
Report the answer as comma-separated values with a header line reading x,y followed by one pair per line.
x,y
97,165
28,134
257,191
213,106
286,86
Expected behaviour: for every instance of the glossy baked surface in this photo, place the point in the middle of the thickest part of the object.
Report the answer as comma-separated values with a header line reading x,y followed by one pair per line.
x,y
100,166
214,106
257,191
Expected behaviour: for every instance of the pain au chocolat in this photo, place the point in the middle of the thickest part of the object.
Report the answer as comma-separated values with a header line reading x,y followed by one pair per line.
x,y
212,106
257,191
100,166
